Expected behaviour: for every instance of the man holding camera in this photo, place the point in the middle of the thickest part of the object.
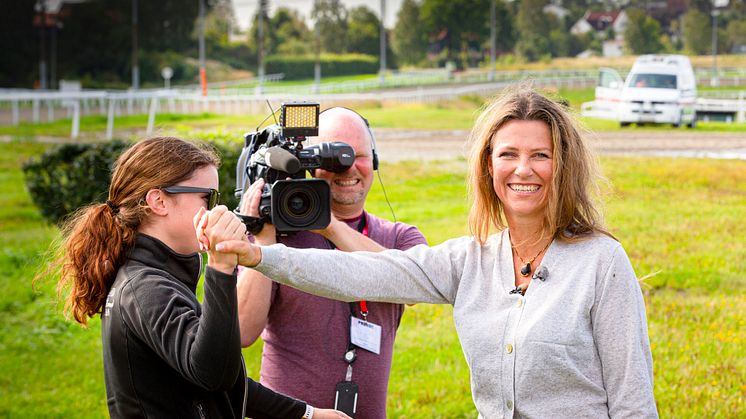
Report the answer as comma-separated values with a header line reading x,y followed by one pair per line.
x,y
328,353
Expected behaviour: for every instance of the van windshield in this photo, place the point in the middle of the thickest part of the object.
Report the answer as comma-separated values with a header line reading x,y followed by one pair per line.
x,y
657,81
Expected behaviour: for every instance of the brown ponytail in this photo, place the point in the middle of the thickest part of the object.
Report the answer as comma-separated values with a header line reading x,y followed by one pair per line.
x,y
97,238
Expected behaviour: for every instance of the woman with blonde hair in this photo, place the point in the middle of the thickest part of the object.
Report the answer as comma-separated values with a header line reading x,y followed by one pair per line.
x,y
134,260
548,310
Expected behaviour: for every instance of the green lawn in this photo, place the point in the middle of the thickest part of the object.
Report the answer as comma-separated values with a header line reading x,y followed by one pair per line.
x,y
681,221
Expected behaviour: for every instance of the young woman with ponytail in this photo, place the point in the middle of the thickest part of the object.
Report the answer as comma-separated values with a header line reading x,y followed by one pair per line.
x,y
135,261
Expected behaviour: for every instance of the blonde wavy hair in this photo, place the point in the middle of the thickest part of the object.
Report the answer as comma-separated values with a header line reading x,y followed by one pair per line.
x,y
571,213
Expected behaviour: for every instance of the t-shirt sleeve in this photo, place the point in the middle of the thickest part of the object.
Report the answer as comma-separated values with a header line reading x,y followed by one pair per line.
x,y
408,236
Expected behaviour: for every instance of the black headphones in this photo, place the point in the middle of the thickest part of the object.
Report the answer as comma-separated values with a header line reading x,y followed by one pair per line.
x,y
370,132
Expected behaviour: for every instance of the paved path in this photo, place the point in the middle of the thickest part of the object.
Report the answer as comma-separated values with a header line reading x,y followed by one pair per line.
x,y
397,144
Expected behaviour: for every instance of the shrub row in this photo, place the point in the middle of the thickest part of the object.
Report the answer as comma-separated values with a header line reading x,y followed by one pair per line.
x,y
302,67
70,176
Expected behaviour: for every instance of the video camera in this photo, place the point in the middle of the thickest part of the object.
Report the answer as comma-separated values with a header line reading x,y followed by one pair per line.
x,y
275,154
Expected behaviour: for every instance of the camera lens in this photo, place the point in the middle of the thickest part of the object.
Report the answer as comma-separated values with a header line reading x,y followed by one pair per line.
x,y
298,204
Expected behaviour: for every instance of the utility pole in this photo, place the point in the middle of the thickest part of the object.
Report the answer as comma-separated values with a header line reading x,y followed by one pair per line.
x,y
41,8
382,71
260,46
53,55
714,80
317,65
202,71
493,39
135,60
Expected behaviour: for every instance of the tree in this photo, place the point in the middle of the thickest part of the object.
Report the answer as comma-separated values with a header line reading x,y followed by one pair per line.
x,y
506,31
697,32
331,19
736,33
642,33
218,25
289,33
462,22
285,33
363,31
409,39
533,26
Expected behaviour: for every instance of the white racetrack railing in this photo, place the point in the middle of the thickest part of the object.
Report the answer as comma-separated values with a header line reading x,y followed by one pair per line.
x,y
430,86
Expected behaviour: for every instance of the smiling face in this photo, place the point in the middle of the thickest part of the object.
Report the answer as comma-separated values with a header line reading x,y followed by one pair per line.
x,y
350,188
521,167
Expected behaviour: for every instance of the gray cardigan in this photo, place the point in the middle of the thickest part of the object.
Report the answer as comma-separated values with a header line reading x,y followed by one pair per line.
x,y
576,345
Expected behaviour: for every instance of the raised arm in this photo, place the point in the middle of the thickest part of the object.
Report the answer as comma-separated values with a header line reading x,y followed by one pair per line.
x,y
419,275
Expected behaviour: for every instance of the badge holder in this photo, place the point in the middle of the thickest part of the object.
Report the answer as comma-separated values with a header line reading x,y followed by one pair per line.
x,y
345,399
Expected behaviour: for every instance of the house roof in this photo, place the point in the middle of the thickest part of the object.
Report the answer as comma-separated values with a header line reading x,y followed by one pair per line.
x,y
602,20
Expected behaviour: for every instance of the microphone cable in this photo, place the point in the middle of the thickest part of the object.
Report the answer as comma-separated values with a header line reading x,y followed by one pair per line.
x,y
385,196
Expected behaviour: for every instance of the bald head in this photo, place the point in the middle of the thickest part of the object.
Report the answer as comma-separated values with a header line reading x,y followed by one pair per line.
x,y
341,124
349,189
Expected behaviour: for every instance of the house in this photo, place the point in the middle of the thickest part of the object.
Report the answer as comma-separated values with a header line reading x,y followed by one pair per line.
x,y
600,23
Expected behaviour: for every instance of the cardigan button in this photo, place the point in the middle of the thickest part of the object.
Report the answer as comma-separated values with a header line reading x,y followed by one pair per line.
x,y
509,404
509,348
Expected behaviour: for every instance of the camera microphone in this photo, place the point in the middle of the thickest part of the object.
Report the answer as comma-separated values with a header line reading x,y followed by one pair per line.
x,y
542,273
280,159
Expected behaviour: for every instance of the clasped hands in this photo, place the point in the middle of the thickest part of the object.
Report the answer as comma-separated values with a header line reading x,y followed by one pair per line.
x,y
223,236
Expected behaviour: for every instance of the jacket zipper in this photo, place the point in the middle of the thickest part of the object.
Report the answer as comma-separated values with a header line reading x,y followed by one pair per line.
x,y
201,411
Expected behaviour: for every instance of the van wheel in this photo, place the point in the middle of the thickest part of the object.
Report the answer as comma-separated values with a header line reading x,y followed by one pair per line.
x,y
624,124
676,125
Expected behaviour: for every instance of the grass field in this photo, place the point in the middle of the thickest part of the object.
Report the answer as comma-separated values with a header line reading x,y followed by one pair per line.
x,y
681,221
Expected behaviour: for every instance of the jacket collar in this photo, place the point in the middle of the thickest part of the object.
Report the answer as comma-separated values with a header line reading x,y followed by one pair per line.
x,y
153,252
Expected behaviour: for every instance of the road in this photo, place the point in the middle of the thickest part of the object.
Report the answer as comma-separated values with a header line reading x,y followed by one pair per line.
x,y
397,144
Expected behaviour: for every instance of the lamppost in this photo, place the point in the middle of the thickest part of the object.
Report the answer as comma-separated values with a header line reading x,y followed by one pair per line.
x,y
260,46
382,71
317,64
493,40
41,8
202,70
716,4
135,64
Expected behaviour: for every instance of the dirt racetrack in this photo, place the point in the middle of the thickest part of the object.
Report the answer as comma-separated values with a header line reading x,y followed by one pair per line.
x,y
397,144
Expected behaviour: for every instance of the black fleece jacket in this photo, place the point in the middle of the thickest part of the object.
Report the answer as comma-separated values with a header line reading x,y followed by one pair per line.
x,y
165,355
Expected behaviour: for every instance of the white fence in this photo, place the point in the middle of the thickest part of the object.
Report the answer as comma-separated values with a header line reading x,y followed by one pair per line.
x,y
428,86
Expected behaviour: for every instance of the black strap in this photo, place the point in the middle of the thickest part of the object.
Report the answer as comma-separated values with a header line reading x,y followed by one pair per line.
x,y
254,225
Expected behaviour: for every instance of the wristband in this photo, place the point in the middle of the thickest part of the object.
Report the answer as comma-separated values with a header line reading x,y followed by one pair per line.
x,y
309,412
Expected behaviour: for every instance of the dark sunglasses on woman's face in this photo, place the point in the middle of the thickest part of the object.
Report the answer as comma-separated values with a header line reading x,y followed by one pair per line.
x,y
213,197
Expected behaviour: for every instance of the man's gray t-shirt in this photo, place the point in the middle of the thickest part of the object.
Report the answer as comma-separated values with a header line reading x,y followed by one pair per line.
x,y
306,336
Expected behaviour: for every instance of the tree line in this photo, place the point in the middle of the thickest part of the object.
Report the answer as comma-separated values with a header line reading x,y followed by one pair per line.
x,y
93,40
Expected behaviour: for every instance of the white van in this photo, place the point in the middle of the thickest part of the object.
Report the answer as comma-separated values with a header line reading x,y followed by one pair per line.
x,y
660,89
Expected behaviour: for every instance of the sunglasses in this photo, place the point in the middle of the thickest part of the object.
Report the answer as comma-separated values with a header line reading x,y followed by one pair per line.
x,y
213,197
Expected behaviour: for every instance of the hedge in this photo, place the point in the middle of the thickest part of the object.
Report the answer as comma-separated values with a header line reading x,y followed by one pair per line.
x,y
302,67
70,176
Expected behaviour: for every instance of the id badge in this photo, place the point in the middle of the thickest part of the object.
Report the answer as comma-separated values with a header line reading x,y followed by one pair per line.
x,y
345,399
366,335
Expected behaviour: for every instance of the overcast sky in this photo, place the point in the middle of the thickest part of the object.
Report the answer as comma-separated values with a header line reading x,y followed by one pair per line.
x,y
246,8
